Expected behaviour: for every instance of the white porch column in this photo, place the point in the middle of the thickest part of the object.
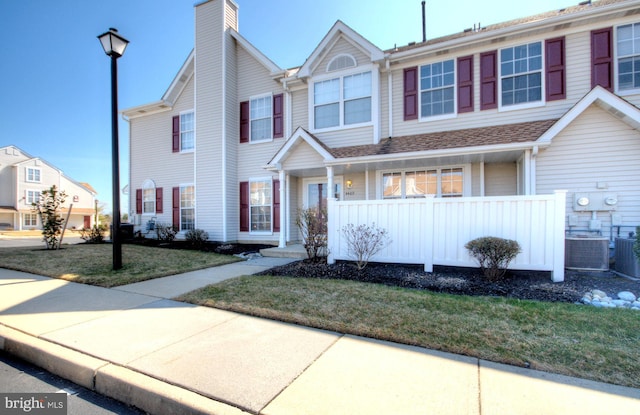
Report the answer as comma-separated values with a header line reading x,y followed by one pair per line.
x,y
282,243
330,190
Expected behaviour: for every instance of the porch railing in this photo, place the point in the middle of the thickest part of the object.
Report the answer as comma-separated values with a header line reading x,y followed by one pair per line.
x,y
433,231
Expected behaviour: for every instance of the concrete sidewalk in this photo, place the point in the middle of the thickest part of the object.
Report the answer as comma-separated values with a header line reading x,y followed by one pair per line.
x,y
134,344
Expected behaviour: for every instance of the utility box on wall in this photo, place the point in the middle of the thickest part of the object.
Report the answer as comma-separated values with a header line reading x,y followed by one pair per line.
x,y
594,201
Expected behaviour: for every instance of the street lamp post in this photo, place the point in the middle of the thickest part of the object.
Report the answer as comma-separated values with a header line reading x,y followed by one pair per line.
x,y
114,46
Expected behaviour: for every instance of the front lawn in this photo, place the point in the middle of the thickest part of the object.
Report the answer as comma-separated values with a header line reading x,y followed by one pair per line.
x,y
574,340
92,264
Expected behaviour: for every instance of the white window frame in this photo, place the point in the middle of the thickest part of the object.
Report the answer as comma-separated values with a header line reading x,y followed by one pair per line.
x,y
269,98
31,171
192,131
466,180
616,61
183,187
269,205
524,105
149,185
454,86
31,196
33,220
340,75
344,57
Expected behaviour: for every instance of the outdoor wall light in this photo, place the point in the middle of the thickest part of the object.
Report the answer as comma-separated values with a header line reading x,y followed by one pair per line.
x,y
349,184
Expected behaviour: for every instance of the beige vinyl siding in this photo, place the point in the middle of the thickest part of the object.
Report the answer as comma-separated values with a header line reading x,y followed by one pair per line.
x,y
578,83
595,148
500,179
303,157
339,48
358,189
295,203
300,109
347,137
210,106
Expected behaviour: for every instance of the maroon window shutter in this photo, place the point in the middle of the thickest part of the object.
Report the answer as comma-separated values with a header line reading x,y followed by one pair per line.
x,y
175,146
411,93
244,206
276,205
244,122
278,130
465,84
176,207
138,201
158,199
602,58
555,68
489,80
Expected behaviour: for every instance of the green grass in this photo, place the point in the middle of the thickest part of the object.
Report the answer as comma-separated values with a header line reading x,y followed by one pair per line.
x,y
591,343
92,264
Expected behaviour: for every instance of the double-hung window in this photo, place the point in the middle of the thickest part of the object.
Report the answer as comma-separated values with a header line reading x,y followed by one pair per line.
x,y
342,101
260,199
187,134
33,196
33,175
187,208
261,122
30,220
441,182
437,86
628,56
149,198
521,74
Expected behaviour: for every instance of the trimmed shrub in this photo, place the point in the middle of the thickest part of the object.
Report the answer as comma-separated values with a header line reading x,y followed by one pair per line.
x,y
196,238
93,235
493,254
364,241
166,232
313,226
48,209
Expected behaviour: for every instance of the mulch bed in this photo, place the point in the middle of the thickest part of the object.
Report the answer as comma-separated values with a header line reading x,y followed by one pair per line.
x,y
467,281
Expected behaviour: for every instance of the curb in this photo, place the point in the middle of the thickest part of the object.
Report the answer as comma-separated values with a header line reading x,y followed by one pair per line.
x,y
125,385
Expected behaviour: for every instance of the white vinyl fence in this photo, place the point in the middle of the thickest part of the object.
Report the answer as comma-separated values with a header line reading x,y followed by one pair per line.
x,y
433,231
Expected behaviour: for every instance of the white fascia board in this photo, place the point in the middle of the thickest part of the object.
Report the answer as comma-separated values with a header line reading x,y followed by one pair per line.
x,y
596,95
146,109
463,151
299,134
338,29
274,69
179,82
479,37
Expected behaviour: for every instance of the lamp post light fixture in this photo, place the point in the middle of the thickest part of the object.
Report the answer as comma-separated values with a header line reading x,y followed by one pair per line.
x,y
114,46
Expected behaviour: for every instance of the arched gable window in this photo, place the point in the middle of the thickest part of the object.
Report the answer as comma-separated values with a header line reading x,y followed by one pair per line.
x,y
340,62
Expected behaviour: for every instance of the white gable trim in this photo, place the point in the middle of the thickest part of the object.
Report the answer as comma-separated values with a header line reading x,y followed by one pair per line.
x,y
180,81
274,69
339,30
299,134
610,102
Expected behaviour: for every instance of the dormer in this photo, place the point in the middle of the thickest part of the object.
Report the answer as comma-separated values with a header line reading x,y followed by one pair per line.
x,y
342,75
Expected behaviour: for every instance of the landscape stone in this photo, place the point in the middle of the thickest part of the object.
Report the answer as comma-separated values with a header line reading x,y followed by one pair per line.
x,y
598,293
627,295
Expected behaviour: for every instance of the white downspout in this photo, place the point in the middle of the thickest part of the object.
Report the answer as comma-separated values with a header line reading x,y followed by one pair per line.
x,y
288,206
390,93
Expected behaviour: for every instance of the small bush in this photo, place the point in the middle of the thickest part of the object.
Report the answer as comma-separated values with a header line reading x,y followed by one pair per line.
x,y
48,209
364,241
196,238
313,226
166,232
93,235
493,254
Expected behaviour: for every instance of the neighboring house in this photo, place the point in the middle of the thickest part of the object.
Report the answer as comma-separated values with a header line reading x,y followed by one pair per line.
x,y
22,179
237,145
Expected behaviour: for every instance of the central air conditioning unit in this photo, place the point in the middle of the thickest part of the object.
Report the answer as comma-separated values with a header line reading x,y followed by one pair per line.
x,y
626,261
588,254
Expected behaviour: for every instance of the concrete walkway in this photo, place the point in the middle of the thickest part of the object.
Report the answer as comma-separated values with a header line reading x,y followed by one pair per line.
x,y
136,345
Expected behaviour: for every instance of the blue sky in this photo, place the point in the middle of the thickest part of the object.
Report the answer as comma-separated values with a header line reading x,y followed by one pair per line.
x,y
55,77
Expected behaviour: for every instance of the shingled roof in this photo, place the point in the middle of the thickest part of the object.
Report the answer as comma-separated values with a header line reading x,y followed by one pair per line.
x,y
516,22
472,137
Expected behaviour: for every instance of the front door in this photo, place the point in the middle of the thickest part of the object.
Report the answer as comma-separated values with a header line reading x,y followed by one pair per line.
x,y
316,192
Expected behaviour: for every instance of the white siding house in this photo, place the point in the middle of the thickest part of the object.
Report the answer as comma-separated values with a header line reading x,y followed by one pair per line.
x,y
24,177
526,107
